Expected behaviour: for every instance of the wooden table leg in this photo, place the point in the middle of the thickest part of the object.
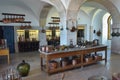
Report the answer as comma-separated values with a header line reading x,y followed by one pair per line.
x,y
106,56
41,62
8,59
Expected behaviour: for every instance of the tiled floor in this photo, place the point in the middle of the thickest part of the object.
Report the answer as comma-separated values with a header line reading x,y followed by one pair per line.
x,y
76,74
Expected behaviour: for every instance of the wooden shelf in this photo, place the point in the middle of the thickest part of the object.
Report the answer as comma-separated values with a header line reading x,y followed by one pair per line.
x,y
19,21
56,21
52,23
13,14
13,18
92,62
64,68
55,17
23,22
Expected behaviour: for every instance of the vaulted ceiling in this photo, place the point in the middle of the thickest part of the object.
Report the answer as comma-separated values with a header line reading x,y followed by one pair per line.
x,y
39,8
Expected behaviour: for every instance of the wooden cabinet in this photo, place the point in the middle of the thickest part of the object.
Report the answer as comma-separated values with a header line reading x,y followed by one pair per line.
x,y
28,46
79,52
5,52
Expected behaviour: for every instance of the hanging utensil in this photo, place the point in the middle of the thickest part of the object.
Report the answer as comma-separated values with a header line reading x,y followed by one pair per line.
x,y
117,33
113,33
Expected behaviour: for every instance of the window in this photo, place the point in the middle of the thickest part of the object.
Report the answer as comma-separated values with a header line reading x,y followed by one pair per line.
x,y
109,21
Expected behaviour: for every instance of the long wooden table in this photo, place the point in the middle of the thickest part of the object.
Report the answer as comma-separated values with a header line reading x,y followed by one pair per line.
x,y
46,57
5,52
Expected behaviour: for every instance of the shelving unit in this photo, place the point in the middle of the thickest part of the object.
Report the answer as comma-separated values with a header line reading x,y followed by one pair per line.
x,y
13,18
32,34
47,57
27,40
16,18
28,46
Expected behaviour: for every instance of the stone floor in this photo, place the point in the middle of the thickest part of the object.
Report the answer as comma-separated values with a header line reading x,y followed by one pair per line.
x,y
84,73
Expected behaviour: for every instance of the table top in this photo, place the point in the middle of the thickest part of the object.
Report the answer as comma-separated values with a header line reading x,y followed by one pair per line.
x,y
73,49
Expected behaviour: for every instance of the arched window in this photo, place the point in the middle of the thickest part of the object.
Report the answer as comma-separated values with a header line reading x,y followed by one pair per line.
x,y
109,21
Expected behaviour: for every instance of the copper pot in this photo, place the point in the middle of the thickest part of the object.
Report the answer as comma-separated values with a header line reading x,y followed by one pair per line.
x,y
53,65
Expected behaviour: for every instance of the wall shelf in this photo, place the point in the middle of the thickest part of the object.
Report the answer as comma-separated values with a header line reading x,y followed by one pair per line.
x,y
14,18
53,23
13,14
55,17
20,21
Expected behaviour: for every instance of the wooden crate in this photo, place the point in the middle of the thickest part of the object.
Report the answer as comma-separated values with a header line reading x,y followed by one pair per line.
x,y
89,59
99,58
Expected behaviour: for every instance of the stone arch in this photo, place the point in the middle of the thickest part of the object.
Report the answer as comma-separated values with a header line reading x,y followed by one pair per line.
x,y
43,15
111,9
116,21
53,3
73,8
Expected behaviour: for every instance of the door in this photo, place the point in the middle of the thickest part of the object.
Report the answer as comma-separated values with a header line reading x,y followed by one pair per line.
x,y
1,32
8,34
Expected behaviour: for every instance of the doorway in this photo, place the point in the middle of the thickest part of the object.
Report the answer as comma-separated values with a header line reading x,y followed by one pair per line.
x,y
7,32
80,33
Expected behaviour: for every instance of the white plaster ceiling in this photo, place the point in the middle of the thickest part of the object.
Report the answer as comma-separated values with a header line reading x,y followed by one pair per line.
x,y
34,7
90,7
65,3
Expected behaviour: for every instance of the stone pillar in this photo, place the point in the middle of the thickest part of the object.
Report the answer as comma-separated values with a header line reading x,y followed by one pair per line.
x,y
72,22
63,32
68,21
43,40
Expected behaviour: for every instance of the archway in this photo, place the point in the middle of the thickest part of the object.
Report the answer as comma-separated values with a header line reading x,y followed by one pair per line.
x,y
106,31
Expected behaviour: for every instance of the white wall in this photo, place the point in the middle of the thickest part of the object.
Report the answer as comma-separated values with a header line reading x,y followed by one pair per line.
x,y
18,10
52,13
84,19
115,45
97,24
